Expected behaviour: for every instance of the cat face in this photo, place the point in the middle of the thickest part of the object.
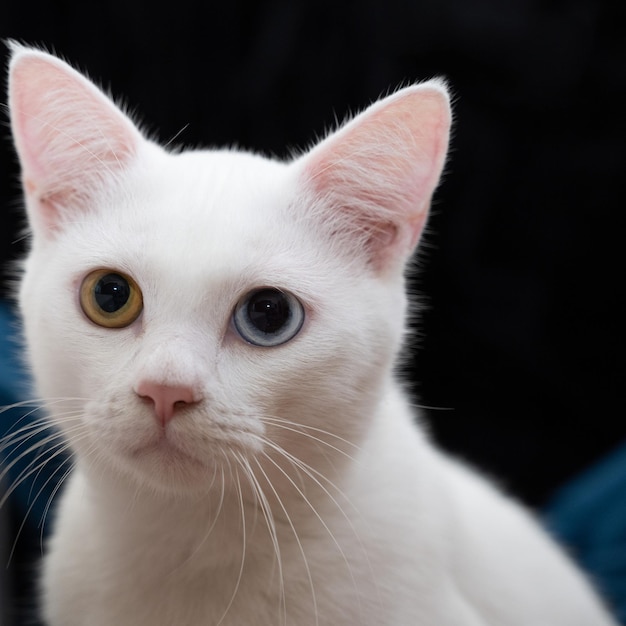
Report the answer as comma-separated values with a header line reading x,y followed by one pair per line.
x,y
188,312
194,272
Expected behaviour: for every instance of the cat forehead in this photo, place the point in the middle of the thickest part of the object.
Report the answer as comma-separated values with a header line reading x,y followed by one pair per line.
x,y
194,215
212,186
197,200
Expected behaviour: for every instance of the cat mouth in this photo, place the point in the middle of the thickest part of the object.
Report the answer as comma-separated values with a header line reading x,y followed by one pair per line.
x,y
168,454
179,451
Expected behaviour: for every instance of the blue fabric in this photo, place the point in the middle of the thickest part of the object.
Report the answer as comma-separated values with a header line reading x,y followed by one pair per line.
x,y
21,457
589,516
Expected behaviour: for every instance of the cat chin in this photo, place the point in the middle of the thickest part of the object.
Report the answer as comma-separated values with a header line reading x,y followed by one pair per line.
x,y
174,467
196,450
162,468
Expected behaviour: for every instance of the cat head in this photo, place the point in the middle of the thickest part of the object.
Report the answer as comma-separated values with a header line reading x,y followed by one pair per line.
x,y
206,309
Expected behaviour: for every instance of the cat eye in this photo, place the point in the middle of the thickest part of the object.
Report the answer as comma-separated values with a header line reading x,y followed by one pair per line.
x,y
268,317
110,299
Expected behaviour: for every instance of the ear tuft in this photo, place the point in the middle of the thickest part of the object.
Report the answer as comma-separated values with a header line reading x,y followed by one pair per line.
x,y
69,136
375,177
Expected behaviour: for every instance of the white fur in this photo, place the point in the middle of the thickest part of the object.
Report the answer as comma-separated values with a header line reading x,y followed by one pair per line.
x,y
299,490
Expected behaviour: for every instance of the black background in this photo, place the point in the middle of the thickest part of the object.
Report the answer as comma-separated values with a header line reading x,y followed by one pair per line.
x,y
520,343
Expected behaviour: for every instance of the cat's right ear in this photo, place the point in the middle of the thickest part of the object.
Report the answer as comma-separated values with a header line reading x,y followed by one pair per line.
x,y
372,180
69,137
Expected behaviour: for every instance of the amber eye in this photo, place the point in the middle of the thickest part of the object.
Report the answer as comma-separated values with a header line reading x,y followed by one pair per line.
x,y
110,299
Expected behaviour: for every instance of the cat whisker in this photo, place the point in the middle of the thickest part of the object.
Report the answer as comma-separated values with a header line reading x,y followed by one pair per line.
x,y
82,145
47,449
23,454
326,446
34,429
299,427
51,497
312,474
52,447
19,431
46,455
107,142
30,508
211,527
42,460
426,407
297,539
39,403
24,433
316,513
271,527
315,475
174,137
244,540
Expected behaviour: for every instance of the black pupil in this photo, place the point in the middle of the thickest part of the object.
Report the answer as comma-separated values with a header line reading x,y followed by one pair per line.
x,y
112,292
268,311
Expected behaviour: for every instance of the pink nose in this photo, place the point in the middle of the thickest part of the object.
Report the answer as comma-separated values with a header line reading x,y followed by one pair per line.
x,y
166,399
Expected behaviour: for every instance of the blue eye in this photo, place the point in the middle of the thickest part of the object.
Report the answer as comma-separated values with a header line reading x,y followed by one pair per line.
x,y
268,317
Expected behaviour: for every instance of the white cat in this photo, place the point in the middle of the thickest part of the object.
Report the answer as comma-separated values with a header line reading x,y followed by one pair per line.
x,y
215,334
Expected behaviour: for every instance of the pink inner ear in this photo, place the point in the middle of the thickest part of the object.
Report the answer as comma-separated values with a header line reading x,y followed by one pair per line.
x,y
69,136
378,173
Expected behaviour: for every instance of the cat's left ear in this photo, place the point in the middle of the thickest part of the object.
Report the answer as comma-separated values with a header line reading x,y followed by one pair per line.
x,y
71,139
372,181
